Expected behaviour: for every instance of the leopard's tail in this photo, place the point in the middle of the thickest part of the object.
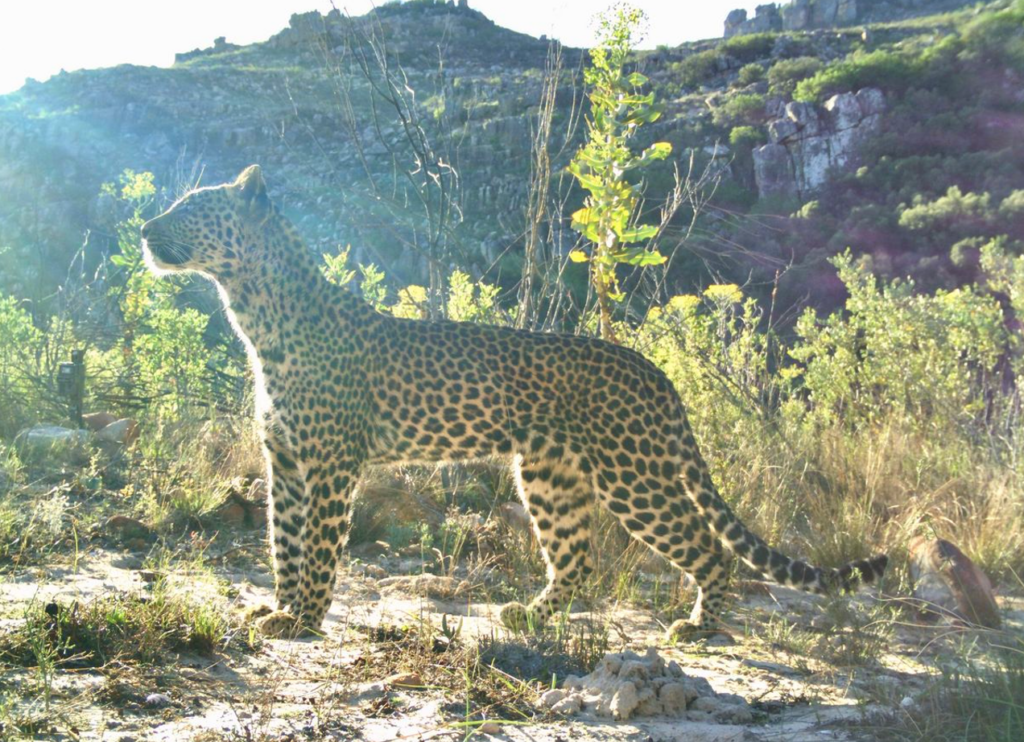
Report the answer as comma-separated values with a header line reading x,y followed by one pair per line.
x,y
772,563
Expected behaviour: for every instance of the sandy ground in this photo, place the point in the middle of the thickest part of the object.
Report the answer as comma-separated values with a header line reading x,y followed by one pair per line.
x,y
327,688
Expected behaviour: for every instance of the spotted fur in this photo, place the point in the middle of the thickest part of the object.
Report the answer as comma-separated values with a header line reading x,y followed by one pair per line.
x,y
341,386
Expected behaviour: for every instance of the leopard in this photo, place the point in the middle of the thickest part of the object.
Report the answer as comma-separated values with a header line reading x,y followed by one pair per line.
x,y
342,388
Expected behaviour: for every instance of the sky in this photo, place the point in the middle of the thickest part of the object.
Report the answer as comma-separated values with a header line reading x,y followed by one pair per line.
x,y
39,38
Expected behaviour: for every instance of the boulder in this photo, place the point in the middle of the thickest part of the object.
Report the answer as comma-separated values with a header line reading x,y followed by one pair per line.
x,y
773,171
815,141
734,21
801,15
55,442
766,19
124,432
947,582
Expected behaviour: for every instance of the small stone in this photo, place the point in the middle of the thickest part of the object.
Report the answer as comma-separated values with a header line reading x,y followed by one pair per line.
x,y
514,515
708,704
372,571
158,700
568,705
551,697
908,702
822,622
405,680
572,682
674,698
371,549
624,701
698,687
124,527
425,585
127,562
730,713
633,669
611,664
490,727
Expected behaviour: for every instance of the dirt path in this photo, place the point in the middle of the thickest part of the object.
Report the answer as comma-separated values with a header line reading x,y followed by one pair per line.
x,y
370,677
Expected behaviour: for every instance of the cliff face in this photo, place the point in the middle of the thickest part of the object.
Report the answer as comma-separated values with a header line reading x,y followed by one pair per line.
x,y
805,15
808,144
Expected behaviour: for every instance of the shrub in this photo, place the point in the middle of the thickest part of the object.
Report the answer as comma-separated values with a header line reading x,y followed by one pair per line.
x,y
897,353
745,108
880,69
995,38
784,75
745,138
19,339
698,68
749,47
750,74
956,213
1012,207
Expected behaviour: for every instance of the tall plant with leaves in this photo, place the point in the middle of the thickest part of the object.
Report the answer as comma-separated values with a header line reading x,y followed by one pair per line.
x,y
604,165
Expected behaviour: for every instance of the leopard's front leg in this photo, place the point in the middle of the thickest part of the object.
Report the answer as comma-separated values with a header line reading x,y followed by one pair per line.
x,y
287,518
329,491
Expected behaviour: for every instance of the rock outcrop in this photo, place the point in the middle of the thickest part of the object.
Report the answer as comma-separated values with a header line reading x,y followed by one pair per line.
x,y
766,18
806,15
220,45
801,15
806,142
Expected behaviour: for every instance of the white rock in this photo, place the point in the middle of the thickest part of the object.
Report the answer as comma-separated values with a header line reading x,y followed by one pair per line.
x,y
568,705
674,698
624,701
158,700
551,697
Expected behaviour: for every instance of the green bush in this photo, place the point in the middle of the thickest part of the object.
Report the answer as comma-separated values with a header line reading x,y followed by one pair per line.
x,y
1012,207
749,47
887,70
697,69
745,138
745,108
784,75
896,352
750,74
955,215
996,38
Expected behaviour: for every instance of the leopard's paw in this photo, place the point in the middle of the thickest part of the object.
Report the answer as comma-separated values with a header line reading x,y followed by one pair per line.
x,y
280,625
685,631
519,618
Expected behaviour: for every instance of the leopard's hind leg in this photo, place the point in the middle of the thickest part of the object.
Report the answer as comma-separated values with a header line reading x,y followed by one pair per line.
x,y
652,504
558,498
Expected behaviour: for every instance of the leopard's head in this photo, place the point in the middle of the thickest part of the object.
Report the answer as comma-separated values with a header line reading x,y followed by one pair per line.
x,y
212,230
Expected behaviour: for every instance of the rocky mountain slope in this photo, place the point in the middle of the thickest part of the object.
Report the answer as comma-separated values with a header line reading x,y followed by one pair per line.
x,y
822,140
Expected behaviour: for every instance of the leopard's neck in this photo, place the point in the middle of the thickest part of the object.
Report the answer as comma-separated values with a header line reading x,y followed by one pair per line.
x,y
273,303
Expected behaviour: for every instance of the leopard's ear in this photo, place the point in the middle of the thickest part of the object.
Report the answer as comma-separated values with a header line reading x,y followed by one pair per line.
x,y
253,191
